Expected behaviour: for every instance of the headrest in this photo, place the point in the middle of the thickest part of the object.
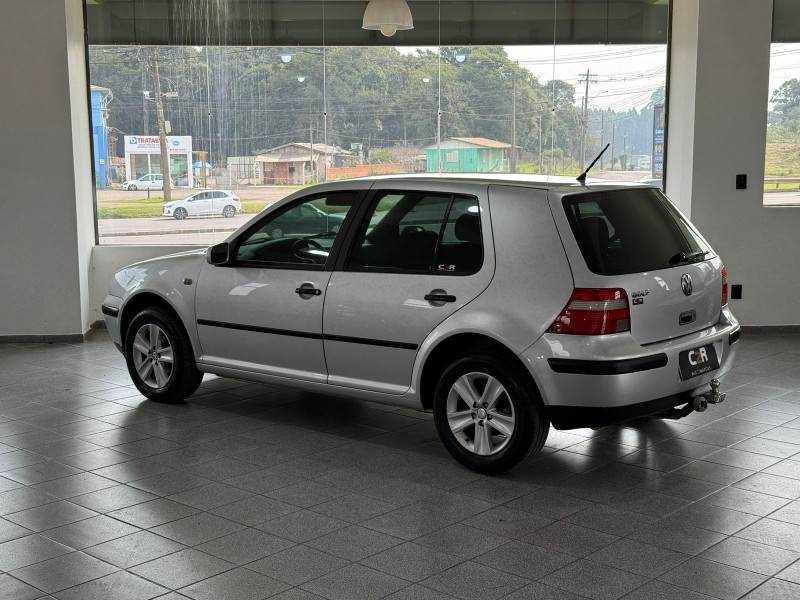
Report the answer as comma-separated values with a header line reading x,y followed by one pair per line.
x,y
468,228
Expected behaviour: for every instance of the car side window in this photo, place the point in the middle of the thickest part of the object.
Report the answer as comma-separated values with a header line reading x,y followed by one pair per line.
x,y
299,236
419,232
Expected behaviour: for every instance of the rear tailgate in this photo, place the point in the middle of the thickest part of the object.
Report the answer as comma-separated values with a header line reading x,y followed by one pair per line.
x,y
635,239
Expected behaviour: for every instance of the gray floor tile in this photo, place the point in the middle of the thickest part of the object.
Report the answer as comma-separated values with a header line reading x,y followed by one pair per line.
x,y
181,568
117,586
509,522
298,565
775,590
719,519
355,581
660,590
11,531
90,532
302,526
750,555
245,546
75,485
570,539
153,513
40,472
112,498
639,558
28,550
134,549
773,533
746,501
774,485
132,470
418,592
256,509
64,572
678,536
354,508
355,543
23,498
197,528
791,573
610,520
14,589
240,583
594,580
51,515
718,580
524,560
471,581
549,503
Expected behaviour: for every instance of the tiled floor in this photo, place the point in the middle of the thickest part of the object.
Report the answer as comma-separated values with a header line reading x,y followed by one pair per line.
x,y
251,492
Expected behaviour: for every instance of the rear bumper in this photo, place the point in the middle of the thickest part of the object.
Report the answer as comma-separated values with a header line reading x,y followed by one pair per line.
x,y
599,380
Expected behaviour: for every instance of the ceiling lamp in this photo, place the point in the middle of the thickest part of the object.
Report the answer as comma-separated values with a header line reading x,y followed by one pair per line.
x,y
387,15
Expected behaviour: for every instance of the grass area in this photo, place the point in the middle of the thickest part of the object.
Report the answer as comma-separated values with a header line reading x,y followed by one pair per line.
x,y
782,160
128,212
781,187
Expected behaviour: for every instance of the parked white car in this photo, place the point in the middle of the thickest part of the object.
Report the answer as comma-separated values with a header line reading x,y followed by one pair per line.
x,y
204,204
503,304
151,181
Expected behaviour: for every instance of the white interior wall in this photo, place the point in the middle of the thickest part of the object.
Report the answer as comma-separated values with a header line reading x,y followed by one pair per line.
x,y
717,129
46,229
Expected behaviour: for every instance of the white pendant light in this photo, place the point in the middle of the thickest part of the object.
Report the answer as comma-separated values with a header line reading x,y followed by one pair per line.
x,y
387,15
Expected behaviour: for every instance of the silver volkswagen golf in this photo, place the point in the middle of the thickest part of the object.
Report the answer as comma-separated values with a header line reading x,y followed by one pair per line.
x,y
503,304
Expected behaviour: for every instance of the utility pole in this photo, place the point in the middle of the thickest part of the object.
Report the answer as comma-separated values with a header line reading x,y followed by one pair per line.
x,y
587,79
625,151
602,136
311,146
613,135
162,133
513,123
541,134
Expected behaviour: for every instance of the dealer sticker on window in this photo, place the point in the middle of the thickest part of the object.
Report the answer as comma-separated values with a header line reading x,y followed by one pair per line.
x,y
698,361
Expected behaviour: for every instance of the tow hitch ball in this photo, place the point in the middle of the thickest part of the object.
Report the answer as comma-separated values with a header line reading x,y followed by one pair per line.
x,y
714,396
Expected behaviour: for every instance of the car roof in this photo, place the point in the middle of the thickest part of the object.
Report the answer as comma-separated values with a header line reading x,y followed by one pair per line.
x,y
545,182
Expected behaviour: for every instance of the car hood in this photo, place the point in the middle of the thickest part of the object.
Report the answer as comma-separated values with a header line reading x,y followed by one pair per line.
x,y
173,203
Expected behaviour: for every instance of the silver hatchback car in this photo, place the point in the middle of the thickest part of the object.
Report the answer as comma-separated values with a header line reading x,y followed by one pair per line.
x,y
503,304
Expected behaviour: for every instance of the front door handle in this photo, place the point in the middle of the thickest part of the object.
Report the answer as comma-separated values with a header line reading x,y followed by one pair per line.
x,y
439,297
308,291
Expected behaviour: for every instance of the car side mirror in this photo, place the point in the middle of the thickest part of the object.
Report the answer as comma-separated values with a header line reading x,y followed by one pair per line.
x,y
218,254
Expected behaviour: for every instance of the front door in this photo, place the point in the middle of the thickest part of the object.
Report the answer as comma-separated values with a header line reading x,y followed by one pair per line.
x,y
418,258
200,205
263,312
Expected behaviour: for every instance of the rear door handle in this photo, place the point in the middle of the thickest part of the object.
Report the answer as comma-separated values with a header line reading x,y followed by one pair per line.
x,y
440,298
308,291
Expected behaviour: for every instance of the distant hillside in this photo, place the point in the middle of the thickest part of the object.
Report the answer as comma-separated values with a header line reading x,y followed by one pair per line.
x,y
783,160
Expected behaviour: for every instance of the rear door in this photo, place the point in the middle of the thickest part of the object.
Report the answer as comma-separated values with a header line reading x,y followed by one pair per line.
x,y
417,258
636,240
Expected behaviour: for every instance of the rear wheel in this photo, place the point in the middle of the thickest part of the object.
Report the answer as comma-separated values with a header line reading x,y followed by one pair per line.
x,y
180,213
160,358
489,416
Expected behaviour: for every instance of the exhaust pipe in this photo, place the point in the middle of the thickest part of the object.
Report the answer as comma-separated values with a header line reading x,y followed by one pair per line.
x,y
714,396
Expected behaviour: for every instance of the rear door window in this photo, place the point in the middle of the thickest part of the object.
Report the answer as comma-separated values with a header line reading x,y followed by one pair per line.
x,y
630,231
419,232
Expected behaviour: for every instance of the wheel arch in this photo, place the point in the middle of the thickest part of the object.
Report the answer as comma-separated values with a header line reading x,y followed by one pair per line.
x,y
140,302
457,346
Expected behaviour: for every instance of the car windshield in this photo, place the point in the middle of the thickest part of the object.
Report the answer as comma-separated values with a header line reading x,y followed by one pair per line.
x,y
631,231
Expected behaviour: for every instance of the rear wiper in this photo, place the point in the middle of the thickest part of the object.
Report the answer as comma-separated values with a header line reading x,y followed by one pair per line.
x,y
684,257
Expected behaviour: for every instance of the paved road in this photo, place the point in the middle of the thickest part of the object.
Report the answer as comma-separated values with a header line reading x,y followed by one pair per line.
x,y
168,226
117,197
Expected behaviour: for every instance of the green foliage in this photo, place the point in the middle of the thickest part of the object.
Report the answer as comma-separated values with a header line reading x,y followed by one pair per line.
x,y
782,160
128,212
786,100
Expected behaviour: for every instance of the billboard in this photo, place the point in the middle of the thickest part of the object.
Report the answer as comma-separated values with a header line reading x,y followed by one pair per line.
x,y
658,141
151,143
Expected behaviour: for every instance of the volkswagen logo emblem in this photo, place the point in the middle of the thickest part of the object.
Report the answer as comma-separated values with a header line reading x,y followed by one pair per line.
x,y
686,284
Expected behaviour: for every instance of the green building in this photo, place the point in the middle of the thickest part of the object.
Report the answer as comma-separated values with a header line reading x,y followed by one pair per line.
x,y
469,155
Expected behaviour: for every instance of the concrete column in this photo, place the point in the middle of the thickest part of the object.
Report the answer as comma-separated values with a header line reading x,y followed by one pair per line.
x,y
717,129
47,223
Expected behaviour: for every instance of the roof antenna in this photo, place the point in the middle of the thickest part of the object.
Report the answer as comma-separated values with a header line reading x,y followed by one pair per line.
x,y
582,177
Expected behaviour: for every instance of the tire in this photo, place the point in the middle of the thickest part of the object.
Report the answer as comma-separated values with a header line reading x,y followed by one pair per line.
x,y
276,233
180,213
228,211
150,330
517,408
132,188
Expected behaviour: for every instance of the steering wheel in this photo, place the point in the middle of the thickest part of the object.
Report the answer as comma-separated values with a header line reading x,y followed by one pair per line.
x,y
305,244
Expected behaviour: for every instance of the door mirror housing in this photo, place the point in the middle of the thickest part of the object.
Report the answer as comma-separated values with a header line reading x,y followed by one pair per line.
x,y
219,254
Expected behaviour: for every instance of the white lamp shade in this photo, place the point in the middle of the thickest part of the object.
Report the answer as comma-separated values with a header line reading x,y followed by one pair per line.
x,y
388,16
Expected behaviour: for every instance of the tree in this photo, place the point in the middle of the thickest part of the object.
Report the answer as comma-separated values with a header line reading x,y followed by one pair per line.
x,y
786,100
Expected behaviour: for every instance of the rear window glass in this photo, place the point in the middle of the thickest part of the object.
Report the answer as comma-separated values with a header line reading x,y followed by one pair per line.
x,y
630,231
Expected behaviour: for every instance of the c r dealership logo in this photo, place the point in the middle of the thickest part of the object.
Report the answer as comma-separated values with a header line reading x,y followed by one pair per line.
x,y
698,357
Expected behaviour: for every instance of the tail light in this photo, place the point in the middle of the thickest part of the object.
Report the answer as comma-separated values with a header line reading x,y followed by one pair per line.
x,y
594,311
724,287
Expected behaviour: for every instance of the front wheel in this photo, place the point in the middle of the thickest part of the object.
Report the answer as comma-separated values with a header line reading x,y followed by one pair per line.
x,y
160,358
132,188
180,213
228,211
489,416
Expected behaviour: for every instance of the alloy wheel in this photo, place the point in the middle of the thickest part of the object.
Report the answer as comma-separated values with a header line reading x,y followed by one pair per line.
x,y
480,413
152,356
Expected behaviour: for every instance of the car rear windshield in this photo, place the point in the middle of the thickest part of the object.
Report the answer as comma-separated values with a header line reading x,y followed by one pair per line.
x,y
630,231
